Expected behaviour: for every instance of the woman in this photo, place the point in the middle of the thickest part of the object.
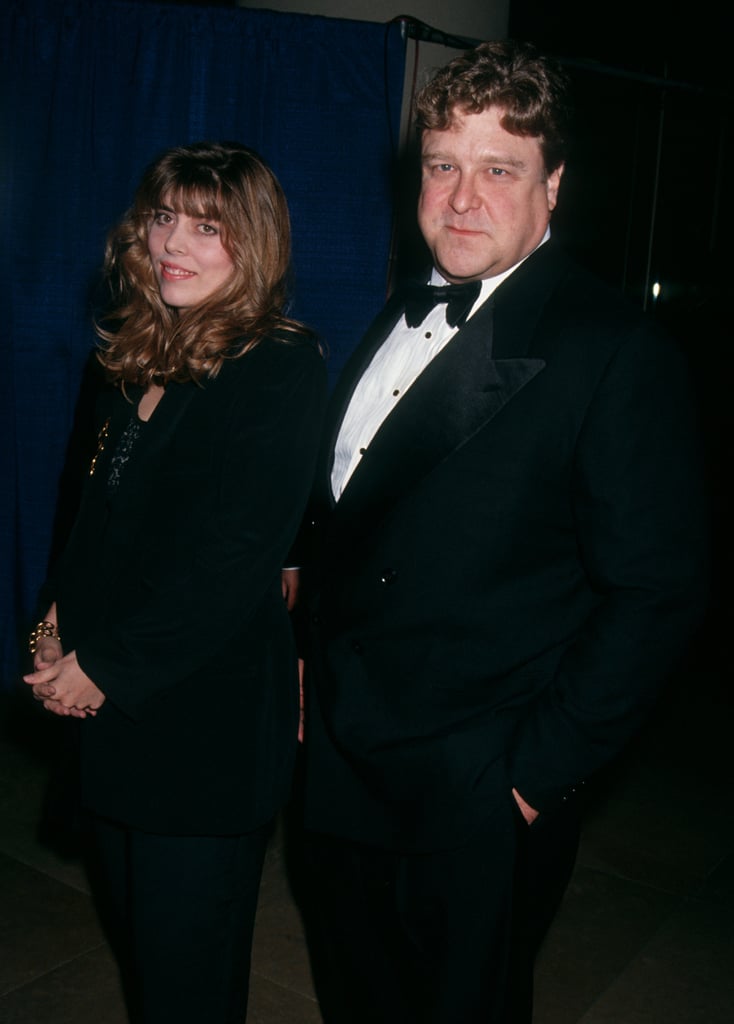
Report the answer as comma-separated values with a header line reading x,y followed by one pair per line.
x,y
177,648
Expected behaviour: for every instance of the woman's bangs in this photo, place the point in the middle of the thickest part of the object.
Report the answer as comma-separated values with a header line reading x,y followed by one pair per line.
x,y
197,201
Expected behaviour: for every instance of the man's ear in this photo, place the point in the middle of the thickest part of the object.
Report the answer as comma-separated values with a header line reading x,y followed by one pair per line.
x,y
552,184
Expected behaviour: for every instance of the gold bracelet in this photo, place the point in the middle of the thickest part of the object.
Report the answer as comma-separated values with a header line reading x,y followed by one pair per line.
x,y
42,629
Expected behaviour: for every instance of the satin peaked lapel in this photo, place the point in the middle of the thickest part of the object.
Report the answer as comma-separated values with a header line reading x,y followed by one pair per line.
x,y
481,369
457,394
523,299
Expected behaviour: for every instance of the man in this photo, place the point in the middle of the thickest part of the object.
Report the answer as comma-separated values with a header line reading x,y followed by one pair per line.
x,y
512,542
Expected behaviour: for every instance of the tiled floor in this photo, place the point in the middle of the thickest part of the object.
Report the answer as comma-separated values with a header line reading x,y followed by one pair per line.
x,y
645,935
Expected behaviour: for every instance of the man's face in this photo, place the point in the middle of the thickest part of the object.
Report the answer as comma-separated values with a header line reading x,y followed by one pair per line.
x,y
485,198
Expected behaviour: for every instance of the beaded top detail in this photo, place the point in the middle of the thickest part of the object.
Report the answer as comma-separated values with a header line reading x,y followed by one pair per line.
x,y
121,457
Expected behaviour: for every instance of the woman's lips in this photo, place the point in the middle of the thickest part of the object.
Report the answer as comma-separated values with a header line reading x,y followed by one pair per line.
x,y
173,273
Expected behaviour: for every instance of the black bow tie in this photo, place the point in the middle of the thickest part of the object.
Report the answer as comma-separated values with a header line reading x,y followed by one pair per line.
x,y
459,298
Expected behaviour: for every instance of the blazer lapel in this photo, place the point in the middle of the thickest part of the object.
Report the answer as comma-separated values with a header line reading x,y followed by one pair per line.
x,y
522,299
168,413
457,394
480,370
148,450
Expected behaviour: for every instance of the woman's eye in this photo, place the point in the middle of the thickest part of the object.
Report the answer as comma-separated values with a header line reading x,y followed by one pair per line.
x,y
161,217
208,229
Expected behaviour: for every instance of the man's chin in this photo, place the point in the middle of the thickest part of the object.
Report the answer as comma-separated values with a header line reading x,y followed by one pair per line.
x,y
458,269
460,275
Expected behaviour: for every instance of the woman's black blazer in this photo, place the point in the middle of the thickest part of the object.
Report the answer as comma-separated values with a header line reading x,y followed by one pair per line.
x,y
169,591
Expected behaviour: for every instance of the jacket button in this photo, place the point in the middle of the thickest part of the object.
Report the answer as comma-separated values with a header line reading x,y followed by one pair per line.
x,y
356,646
388,576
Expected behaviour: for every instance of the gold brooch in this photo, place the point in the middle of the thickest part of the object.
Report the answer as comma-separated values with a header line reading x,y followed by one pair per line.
x,y
101,441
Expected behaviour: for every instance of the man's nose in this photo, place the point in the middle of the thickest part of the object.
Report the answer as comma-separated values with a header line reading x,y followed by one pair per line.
x,y
465,196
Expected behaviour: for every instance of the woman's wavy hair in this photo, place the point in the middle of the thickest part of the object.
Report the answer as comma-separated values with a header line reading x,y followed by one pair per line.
x,y
145,341
531,90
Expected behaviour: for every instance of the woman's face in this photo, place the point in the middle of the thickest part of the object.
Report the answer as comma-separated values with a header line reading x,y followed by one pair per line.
x,y
189,261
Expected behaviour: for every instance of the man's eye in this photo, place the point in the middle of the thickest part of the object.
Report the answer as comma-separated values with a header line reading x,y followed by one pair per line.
x,y
497,172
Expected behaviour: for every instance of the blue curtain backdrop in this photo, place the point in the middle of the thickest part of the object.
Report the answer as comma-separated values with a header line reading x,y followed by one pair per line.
x,y
90,93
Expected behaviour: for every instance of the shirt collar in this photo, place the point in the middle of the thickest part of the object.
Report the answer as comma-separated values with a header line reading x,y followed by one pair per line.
x,y
490,284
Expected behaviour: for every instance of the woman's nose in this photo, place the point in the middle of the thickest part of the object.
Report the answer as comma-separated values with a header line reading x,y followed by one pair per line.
x,y
175,239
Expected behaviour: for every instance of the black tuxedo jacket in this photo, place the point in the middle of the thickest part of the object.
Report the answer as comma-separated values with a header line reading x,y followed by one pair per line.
x,y
169,591
511,572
